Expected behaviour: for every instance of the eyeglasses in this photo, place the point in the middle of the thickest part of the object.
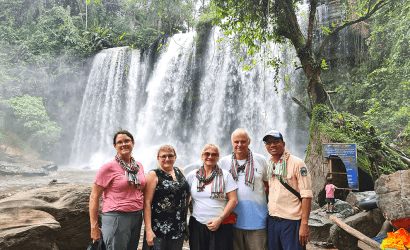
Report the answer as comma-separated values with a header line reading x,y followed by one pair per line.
x,y
164,157
268,142
120,143
207,154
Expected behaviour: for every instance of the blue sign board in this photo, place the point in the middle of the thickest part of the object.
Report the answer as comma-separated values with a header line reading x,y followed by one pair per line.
x,y
347,152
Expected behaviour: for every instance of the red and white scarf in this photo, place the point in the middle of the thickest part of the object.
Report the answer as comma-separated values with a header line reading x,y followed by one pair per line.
x,y
218,184
249,174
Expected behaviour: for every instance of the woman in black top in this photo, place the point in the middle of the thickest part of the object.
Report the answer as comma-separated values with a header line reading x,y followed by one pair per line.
x,y
165,203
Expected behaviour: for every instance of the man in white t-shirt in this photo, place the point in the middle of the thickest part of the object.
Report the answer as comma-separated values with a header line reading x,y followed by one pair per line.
x,y
249,170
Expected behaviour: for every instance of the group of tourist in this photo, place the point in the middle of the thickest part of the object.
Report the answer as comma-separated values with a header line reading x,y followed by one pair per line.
x,y
239,202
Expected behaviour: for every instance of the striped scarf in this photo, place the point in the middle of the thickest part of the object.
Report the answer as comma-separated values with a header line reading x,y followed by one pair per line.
x,y
218,185
131,172
249,175
279,170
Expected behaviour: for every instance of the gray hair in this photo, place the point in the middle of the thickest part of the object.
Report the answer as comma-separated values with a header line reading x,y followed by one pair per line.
x,y
238,130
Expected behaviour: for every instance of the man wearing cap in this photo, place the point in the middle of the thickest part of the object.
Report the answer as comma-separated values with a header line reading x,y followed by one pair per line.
x,y
250,173
288,215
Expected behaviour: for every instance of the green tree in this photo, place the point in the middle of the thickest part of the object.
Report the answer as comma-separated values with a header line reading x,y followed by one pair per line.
x,y
86,11
36,125
259,21
378,88
168,17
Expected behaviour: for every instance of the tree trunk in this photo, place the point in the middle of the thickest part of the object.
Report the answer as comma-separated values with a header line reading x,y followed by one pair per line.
x,y
312,72
303,45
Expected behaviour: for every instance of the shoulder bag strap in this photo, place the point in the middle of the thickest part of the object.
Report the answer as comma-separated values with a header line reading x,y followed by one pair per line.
x,y
291,189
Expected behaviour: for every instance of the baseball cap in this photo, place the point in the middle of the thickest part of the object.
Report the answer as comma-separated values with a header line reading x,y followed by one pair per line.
x,y
273,133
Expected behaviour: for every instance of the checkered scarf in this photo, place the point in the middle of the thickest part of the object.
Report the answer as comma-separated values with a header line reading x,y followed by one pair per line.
x,y
249,175
131,172
279,170
218,184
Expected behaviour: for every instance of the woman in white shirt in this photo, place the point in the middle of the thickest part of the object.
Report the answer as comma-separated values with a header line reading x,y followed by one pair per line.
x,y
213,193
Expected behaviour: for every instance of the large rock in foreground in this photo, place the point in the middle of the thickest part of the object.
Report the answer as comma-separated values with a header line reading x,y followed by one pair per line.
x,y
354,199
367,222
319,223
58,215
393,198
24,228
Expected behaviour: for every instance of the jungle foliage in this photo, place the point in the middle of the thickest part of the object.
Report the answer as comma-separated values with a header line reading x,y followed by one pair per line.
x,y
372,84
373,155
34,123
376,86
45,46
256,22
85,27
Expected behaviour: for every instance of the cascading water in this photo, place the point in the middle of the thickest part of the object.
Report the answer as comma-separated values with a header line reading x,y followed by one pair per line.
x,y
172,96
328,13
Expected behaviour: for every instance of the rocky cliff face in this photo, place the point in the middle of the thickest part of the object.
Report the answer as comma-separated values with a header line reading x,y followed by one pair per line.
x,y
52,217
317,165
344,46
29,158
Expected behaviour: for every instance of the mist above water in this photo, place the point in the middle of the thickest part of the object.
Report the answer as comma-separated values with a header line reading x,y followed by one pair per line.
x,y
175,96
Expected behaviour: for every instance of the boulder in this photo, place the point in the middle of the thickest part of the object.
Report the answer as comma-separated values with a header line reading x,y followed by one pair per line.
x,y
393,198
354,198
342,208
319,223
15,155
314,206
367,222
7,154
24,228
7,168
50,167
65,204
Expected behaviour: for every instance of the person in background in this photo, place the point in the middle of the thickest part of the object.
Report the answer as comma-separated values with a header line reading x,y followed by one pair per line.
x,y
165,203
121,182
249,170
213,193
330,195
290,196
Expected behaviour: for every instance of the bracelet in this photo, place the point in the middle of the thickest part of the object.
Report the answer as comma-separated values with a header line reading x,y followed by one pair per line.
x,y
221,218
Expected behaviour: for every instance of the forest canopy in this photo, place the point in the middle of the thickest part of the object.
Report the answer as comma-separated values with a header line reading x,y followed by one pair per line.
x,y
84,27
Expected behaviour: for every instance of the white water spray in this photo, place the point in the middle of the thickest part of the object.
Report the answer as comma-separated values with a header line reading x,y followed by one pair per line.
x,y
172,97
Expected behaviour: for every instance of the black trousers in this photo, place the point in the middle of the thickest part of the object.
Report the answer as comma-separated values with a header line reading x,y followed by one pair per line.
x,y
201,238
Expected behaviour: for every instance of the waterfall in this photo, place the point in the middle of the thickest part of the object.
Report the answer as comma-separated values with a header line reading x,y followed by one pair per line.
x,y
174,96
338,47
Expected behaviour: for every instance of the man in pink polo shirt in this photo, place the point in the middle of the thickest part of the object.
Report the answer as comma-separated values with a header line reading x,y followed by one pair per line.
x,y
288,214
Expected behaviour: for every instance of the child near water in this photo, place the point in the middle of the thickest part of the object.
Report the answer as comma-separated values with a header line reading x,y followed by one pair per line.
x,y
330,195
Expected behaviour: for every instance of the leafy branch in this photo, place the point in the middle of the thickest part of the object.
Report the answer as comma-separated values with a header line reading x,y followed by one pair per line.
x,y
370,12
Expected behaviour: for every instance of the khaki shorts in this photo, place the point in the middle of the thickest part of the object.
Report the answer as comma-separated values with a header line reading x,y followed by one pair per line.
x,y
249,239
